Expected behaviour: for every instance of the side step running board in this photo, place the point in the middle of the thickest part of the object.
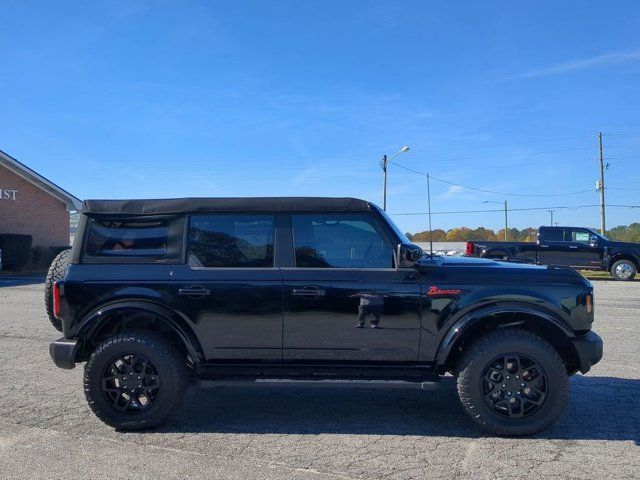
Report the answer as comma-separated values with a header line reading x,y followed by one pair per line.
x,y
330,383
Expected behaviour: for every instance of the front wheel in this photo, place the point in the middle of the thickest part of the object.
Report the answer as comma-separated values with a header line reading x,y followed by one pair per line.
x,y
623,270
512,382
134,380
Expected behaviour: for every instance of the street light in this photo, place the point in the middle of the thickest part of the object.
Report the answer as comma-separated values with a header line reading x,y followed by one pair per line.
x,y
383,164
506,222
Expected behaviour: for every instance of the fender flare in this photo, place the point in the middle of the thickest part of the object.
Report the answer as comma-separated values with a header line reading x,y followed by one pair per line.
x,y
619,255
472,318
177,323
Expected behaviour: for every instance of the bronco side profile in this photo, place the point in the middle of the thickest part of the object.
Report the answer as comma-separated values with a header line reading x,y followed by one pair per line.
x,y
313,291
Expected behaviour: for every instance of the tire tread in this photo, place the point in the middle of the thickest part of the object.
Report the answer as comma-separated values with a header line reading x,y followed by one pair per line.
x,y
57,271
177,372
473,355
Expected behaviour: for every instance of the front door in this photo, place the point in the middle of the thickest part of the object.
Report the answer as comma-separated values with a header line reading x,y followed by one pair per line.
x,y
344,300
582,252
230,288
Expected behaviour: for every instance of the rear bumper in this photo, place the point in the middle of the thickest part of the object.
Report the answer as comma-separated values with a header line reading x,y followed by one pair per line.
x,y
63,352
589,348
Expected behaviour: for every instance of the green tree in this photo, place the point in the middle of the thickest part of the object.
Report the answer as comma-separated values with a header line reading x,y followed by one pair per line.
x,y
460,234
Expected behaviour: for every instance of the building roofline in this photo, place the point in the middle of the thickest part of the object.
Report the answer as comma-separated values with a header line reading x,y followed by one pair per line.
x,y
72,202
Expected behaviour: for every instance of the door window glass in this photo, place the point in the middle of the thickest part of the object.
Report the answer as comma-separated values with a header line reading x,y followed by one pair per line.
x,y
231,241
339,241
553,235
580,236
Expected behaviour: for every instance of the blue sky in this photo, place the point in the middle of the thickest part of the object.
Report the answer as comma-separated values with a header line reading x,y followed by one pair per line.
x,y
165,99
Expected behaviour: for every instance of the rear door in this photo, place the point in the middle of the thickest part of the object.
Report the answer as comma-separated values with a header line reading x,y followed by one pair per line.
x,y
343,299
554,250
230,287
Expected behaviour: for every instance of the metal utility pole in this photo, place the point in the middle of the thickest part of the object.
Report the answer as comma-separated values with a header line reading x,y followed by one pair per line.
x,y
506,223
506,217
601,186
551,212
429,206
383,164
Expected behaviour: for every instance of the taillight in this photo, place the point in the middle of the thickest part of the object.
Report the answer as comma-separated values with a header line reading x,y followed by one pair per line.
x,y
469,248
589,303
56,300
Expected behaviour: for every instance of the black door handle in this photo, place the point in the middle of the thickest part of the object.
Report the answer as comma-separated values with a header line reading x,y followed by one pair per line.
x,y
194,292
309,292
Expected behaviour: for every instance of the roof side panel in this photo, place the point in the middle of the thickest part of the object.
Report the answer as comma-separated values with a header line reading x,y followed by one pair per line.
x,y
230,204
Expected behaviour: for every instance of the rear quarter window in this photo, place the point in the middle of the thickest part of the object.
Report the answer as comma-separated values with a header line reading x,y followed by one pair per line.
x,y
135,240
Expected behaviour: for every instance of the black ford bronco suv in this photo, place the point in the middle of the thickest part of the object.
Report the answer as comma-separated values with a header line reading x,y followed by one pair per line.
x,y
318,291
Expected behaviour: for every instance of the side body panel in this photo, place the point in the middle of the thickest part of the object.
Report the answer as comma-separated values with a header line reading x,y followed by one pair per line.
x,y
325,323
238,314
452,292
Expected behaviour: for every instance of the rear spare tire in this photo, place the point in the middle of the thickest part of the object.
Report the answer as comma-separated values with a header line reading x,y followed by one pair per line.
x,y
56,272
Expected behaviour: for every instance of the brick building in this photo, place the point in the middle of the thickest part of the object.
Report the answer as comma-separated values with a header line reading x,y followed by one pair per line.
x,y
30,204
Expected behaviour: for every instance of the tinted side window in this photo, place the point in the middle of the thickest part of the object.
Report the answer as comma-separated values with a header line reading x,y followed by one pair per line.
x,y
109,238
226,240
339,241
553,234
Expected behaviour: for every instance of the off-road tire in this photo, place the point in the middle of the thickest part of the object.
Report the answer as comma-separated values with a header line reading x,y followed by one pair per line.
x,y
632,267
57,270
478,355
169,362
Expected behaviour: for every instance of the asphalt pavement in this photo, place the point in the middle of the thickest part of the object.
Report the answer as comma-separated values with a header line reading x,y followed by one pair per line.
x,y
48,431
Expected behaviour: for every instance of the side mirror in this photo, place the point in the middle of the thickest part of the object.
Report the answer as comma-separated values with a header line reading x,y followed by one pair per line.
x,y
407,254
593,241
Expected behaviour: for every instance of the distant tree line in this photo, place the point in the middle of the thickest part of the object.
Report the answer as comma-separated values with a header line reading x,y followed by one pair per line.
x,y
623,233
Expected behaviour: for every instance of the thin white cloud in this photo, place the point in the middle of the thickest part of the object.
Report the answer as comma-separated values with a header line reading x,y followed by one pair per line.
x,y
593,62
453,191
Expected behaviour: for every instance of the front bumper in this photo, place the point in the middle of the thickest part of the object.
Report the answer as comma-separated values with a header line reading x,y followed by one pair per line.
x,y
589,348
63,352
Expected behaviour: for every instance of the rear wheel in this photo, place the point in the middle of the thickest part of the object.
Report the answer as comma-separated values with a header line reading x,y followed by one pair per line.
x,y
56,272
511,382
133,381
623,270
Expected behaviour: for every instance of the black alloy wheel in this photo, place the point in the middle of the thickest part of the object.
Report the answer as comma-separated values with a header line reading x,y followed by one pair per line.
x,y
514,385
512,382
134,380
131,383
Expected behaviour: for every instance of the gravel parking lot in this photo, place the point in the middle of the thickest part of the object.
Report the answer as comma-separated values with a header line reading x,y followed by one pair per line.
x,y
48,431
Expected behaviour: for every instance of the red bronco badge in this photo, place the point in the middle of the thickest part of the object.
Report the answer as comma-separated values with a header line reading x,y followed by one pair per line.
x,y
439,292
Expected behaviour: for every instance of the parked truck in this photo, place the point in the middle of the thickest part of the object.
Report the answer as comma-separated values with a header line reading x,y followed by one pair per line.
x,y
576,247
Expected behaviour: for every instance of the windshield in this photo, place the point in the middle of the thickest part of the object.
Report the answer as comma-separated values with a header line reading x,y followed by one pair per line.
x,y
403,238
598,234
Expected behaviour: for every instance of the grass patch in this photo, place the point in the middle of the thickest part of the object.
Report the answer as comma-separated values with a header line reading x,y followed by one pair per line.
x,y
595,274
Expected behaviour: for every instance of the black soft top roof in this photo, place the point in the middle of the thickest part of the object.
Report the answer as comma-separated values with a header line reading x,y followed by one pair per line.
x,y
244,204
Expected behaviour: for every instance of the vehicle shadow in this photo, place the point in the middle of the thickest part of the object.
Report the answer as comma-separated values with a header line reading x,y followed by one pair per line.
x,y
17,280
599,408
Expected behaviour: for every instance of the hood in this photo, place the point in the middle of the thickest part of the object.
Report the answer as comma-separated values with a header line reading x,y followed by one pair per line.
x,y
624,245
428,261
505,271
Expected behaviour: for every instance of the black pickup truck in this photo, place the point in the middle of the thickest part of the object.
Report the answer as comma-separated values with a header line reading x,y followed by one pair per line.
x,y
315,291
576,247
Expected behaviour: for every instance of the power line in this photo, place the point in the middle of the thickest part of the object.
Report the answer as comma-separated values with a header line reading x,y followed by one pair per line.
x,y
492,191
513,209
